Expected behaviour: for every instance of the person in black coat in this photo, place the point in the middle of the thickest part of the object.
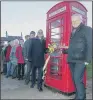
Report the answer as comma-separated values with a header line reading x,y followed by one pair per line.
x,y
28,66
36,56
79,53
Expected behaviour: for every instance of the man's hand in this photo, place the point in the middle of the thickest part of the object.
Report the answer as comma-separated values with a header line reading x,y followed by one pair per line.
x,y
86,63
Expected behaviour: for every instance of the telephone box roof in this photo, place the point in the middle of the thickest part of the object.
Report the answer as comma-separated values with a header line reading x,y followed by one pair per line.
x,y
65,2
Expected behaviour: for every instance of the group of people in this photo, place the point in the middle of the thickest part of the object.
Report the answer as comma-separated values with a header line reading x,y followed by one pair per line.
x,y
31,53
12,57
25,59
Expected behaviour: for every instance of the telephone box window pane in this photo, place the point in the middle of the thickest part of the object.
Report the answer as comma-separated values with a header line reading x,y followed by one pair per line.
x,y
55,31
54,69
55,60
55,57
55,23
55,34
78,10
55,39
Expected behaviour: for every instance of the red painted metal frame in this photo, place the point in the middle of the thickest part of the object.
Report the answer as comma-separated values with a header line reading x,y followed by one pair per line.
x,y
64,83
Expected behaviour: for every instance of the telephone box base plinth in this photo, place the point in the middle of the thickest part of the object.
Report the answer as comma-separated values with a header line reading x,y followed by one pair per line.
x,y
56,90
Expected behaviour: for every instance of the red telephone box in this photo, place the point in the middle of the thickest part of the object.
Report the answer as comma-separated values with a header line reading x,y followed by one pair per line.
x,y
58,31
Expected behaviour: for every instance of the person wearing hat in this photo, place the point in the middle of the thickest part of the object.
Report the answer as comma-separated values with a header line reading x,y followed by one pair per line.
x,y
25,53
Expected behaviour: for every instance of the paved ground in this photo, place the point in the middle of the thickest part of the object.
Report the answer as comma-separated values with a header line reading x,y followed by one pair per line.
x,y
14,89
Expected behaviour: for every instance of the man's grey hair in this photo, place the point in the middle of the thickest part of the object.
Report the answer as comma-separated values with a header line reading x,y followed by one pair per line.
x,y
16,41
80,16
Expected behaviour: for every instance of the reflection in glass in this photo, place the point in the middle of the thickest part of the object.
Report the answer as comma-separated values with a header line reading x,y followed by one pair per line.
x,y
55,34
54,40
55,31
54,69
55,37
56,23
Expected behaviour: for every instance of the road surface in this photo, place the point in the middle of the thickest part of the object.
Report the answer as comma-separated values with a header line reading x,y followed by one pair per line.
x,y
15,89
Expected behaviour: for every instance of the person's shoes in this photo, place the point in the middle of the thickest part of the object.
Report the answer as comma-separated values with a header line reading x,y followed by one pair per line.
x,y
32,85
13,77
40,89
22,78
18,78
4,73
1,72
7,76
26,82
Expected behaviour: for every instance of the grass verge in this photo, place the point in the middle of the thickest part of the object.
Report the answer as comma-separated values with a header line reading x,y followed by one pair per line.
x,y
89,71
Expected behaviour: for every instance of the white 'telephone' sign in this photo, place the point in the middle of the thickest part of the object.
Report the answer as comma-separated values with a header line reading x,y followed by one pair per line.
x,y
78,10
57,11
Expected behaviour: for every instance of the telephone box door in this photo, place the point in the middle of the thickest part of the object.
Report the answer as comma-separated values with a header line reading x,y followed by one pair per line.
x,y
56,36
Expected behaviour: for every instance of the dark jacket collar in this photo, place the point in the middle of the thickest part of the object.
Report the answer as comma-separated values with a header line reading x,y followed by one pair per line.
x,y
79,27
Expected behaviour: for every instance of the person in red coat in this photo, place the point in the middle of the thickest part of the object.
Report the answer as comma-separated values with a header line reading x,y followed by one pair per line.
x,y
19,55
7,58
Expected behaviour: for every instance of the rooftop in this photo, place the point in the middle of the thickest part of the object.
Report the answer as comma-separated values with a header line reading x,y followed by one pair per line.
x,y
10,38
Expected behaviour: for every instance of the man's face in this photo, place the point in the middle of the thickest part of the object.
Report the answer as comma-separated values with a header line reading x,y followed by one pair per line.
x,y
12,43
21,42
40,34
75,21
32,35
5,44
27,37
16,42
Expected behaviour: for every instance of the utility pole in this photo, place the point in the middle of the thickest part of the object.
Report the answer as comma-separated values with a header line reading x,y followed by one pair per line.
x,y
21,35
6,34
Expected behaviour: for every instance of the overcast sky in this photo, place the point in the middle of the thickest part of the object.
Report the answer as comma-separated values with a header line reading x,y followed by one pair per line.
x,y
25,16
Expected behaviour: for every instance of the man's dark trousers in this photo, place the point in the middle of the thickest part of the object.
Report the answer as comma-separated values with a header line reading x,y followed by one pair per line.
x,y
77,70
39,79
5,68
28,73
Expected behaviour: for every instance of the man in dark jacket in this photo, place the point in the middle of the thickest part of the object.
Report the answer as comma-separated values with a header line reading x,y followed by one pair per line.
x,y
26,45
5,63
36,55
79,53
25,51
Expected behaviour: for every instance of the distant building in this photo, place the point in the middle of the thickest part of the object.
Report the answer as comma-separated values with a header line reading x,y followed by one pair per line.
x,y
9,38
